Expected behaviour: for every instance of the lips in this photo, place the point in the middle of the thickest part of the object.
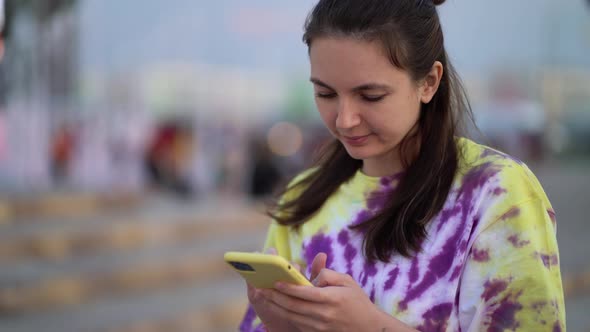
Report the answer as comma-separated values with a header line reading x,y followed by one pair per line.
x,y
356,140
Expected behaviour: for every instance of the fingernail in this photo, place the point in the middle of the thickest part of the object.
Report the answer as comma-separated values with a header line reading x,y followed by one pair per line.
x,y
314,282
280,285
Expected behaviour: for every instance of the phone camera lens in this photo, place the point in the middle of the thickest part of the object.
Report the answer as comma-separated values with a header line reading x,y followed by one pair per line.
x,y
242,266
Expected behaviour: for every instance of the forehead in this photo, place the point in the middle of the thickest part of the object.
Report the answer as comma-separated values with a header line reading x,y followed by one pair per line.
x,y
348,62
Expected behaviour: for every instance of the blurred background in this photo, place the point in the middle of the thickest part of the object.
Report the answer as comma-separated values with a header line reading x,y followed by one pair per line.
x,y
140,138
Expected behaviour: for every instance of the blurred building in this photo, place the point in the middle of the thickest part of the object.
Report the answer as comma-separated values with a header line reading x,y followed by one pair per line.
x,y
39,75
99,66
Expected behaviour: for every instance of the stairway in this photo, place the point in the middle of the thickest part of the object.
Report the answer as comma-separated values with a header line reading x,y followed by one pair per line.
x,y
149,264
119,262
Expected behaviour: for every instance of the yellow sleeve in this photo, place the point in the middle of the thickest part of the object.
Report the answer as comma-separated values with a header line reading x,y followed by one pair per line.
x,y
512,279
278,237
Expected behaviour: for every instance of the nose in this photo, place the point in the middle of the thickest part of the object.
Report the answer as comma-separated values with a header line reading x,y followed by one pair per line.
x,y
348,116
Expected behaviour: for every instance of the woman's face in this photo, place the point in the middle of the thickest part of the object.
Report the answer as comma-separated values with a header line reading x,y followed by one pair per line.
x,y
366,102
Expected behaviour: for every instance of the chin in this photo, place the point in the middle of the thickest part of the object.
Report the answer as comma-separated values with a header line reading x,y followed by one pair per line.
x,y
360,153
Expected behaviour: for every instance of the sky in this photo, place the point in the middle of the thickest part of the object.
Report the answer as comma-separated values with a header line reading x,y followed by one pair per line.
x,y
480,35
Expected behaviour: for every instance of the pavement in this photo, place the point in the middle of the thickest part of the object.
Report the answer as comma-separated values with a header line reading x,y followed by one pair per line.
x,y
156,265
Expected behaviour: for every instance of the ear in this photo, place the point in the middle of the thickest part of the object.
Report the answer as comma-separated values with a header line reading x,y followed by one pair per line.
x,y
431,82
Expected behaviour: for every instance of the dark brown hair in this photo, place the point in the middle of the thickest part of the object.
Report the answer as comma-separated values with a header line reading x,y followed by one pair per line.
x,y
411,34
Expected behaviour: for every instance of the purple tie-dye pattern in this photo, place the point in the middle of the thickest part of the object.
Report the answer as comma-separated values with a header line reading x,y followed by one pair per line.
x,y
551,214
512,213
503,316
319,243
548,260
440,264
538,306
493,288
369,270
391,181
349,251
446,215
516,242
361,217
392,278
474,225
456,272
499,191
248,319
372,296
433,275
480,255
377,201
414,274
474,179
436,319
349,254
343,237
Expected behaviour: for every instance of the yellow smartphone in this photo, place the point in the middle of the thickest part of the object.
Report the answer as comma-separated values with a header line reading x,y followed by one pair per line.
x,y
264,270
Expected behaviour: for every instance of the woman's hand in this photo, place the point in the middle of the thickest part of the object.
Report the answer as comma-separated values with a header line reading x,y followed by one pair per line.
x,y
337,303
264,308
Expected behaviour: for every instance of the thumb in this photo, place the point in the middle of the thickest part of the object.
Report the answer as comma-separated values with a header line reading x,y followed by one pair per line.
x,y
319,263
329,277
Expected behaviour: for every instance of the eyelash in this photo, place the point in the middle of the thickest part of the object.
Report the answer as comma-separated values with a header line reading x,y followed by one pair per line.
x,y
373,99
365,98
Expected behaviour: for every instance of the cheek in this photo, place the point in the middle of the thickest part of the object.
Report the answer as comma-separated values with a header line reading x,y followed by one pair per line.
x,y
327,116
393,119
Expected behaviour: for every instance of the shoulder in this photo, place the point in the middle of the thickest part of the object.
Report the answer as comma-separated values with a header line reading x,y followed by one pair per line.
x,y
482,165
496,181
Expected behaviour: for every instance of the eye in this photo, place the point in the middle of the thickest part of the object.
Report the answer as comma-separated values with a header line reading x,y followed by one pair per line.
x,y
326,95
372,99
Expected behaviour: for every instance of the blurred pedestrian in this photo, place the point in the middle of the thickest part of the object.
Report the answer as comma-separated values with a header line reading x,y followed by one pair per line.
x,y
63,143
265,171
167,158
403,224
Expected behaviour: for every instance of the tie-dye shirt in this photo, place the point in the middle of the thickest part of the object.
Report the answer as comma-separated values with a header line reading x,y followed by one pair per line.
x,y
489,263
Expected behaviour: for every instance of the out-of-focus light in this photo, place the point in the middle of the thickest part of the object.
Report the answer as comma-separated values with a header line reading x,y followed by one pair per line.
x,y
284,139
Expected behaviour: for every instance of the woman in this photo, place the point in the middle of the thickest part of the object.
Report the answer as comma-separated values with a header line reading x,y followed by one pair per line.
x,y
402,225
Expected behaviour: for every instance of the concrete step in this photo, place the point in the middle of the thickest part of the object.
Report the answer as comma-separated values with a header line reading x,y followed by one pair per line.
x,y
32,286
577,318
217,307
148,225
62,205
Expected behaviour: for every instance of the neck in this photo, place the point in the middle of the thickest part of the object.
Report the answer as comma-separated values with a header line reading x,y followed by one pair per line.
x,y
388,164
382,166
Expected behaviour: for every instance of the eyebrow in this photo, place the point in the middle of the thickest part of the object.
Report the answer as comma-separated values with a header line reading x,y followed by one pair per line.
x,y
363,87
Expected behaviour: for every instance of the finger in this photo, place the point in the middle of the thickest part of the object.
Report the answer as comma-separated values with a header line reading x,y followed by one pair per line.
x,y
319,263
292,304
253,293
305,293
301,322
328,277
